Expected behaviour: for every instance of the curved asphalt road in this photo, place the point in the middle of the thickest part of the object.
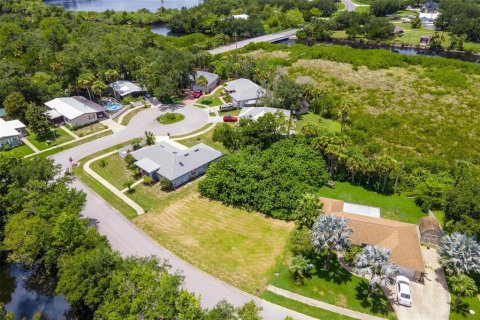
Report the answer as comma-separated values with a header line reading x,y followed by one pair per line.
x,y
126,238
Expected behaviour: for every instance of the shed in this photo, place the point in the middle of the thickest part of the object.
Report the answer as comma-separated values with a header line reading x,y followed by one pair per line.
x,y
425,40
430,231
398,30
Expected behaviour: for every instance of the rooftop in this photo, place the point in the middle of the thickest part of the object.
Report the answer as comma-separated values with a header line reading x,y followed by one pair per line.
x,y
244,89
257,112
211,77
171,162
73,107
400,237
9,128
124,88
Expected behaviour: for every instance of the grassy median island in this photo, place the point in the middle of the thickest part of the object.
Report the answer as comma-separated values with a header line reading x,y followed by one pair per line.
x,y
170,117
234,245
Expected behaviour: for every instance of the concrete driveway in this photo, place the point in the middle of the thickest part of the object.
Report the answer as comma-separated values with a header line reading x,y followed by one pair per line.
x,y
430,301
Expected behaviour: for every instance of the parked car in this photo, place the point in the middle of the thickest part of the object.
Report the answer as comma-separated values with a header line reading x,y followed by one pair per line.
x,y
230,118
404,296
227,107
197,94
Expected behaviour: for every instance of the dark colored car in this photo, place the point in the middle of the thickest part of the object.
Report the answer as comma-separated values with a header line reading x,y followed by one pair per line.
x,y
197,93
230,119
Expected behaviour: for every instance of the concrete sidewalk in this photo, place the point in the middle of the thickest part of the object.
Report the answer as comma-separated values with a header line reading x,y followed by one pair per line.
x,y
321,304
107,184
30,145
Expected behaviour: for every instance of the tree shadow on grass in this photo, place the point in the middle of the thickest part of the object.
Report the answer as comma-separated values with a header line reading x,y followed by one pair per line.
x,y
376,303
336,274
462,308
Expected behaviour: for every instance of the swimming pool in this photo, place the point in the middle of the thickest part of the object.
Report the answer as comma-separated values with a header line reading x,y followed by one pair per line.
x,y
113,106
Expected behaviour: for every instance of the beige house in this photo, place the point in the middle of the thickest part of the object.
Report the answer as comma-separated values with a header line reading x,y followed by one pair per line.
x,y
401,238
75,111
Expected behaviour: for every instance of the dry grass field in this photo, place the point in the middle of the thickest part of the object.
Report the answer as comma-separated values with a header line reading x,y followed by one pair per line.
x,y
236,246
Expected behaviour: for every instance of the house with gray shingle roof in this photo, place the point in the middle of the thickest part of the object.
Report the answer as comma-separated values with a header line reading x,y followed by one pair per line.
x,y
244,92
179,166
212,81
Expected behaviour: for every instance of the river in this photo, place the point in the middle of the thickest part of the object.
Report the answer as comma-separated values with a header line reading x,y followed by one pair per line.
x,y
122,5
25,294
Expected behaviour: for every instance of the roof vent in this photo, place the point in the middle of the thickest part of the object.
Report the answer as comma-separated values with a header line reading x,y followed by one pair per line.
x,y
186,154
196,150
181,163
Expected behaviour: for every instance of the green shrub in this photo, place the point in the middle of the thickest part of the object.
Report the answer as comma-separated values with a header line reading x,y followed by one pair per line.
x,y
351,254
165,184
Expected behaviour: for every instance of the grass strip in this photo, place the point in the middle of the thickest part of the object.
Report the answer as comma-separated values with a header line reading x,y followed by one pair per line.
x,y
303,308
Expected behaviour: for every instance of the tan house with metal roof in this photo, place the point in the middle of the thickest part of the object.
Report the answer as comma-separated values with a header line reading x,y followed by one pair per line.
x,y
401,238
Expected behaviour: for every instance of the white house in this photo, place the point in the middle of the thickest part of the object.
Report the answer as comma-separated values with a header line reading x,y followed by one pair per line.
x,y
244,93
123,88
257,112
76,111
11,133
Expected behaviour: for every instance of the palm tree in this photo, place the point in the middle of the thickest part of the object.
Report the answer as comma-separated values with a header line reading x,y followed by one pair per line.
x,y
307,210
330,232
98,88
343,115
459,253
85,81
463,286
374,262
111,75
385,166
300,268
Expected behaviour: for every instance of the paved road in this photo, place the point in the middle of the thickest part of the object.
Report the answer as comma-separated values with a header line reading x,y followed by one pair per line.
x,y
125,237
349,5
273,37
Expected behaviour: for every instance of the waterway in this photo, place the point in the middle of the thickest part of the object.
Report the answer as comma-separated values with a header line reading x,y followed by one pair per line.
x,y
122,5
409,51
26,293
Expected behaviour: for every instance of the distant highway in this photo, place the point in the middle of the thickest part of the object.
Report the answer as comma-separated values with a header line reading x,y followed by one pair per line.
x,y
273,37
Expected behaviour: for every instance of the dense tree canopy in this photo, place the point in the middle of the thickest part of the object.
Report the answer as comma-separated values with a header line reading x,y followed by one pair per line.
x,y
271,181
461,17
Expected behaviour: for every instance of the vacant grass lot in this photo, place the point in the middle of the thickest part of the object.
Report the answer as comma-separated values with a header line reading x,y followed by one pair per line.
x,y
236,246
49,141
319,122
336,286
393,207
114,171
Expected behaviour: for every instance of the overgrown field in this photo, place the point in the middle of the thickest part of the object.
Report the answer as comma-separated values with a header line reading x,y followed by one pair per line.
x,y
417,109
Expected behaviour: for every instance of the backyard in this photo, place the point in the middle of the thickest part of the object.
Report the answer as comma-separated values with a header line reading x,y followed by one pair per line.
x,y
90,129
336,286
318,121
57,136
204,138
234,245
395,207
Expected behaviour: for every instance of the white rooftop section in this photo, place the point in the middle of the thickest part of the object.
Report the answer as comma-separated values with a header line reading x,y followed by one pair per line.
x,y
9,128
257,112
244,89
124,88
240,16
361,210
70,107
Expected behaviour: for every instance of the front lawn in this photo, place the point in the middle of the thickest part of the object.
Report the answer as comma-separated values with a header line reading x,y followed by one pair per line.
x,y
337,286
211,101
113,169
60,136
22,150
235,112
90,129
234,245
318,121
170,117
395,207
